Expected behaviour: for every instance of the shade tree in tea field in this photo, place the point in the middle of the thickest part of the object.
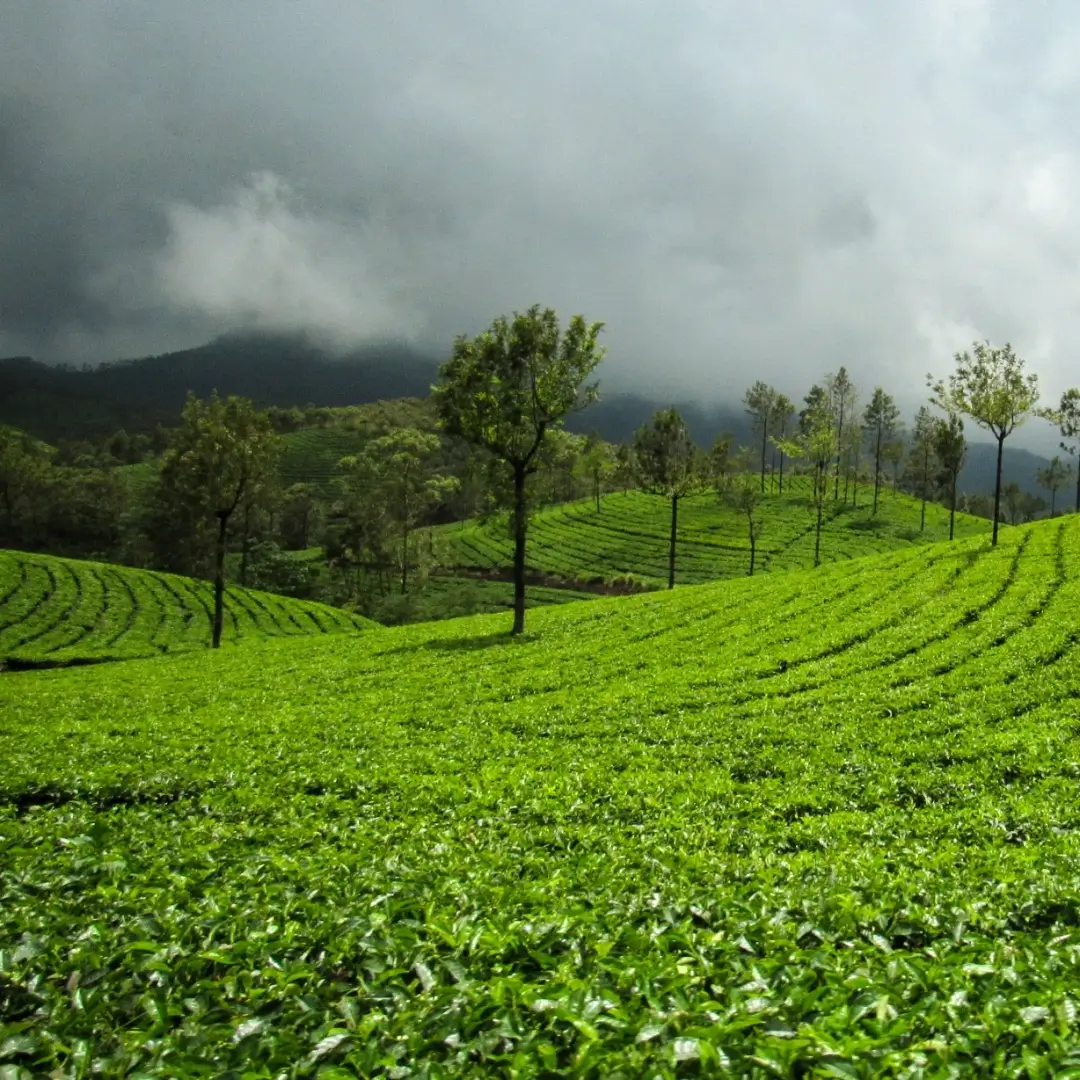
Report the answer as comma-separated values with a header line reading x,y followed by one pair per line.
x,y
506,388
669,465
991,386
222,455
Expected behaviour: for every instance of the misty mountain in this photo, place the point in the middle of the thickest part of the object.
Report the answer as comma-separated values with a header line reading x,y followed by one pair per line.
x,y
62,402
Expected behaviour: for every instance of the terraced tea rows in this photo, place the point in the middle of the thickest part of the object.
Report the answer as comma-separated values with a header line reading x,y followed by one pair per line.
x,y
821,823
311,455
629,536
65,610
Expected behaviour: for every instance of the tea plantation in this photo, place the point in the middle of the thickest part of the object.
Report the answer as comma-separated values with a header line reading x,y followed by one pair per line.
x,y
628,536
818,823
60,611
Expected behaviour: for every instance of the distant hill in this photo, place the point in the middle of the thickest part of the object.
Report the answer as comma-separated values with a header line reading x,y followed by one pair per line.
x,y
57,402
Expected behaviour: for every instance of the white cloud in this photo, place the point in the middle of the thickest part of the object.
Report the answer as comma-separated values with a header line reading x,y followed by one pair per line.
x,y
260,260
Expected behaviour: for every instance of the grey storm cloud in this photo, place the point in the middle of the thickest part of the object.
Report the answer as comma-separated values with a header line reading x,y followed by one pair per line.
x,y
736,190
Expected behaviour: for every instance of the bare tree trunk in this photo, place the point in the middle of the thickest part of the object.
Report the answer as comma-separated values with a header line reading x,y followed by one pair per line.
x,y
519,549
817,538
671,547
839,452
764,449
219,580
877,470
753,548
997,492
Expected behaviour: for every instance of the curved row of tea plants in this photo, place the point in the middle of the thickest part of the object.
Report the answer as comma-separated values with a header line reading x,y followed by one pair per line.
x,y
65,610
628,536
806,824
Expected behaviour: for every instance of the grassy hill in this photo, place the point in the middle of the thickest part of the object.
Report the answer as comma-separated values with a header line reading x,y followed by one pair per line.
x,y
629,536
61,611
815,823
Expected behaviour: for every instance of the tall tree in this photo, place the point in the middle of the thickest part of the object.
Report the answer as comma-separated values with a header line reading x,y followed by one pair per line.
x,y
223,452
760,403
783,411
1067,418
922,455
879,424
841,392
670,465
399,471
738,489
816,441
506,388
1054,477
301,515
597,464
950,448
991,386
720,460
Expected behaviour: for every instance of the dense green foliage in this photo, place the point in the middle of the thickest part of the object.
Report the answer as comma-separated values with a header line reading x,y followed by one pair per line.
x,y
59,611
629,536
820,822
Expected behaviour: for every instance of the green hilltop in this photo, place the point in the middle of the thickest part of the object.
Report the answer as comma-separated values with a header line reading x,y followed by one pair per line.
x,y
816,823
626,537
56,611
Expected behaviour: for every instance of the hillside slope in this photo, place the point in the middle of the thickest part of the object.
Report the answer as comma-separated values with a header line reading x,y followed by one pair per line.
x,y
62,611
819,823
629,536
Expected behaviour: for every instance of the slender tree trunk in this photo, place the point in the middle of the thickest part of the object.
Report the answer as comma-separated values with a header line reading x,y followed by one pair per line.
x,y
519,549
671,546
764,449
952,507
877,470
817,537
925,482
753,548
781,491
839,451
997,491
219,580
1053,499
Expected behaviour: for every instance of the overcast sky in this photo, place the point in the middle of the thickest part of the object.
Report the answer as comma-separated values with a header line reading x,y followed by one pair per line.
x,y
737,190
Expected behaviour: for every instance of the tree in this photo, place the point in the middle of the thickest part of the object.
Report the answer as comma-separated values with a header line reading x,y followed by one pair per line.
x,y
989,385
922,457
301,515
597,462
223,452
669,464
625,470
1021,506
783,411
1054,477
24,477
841,392
739,490
397,472
816,441
1067,418
894,452
950,448
879,424
506,388
720,461
760,402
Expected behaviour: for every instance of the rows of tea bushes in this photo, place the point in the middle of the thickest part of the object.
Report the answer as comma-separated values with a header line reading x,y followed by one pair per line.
x,y
55,610
806,824
628,536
